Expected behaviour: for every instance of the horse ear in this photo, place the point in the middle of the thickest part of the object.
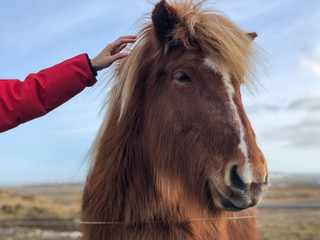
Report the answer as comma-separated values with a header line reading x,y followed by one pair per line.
x,y
253,35
164,19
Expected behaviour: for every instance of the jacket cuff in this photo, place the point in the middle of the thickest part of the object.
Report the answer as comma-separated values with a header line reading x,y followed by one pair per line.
x,y
94,72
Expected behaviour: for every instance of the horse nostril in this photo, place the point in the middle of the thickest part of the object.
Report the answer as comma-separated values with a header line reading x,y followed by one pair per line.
x,y
236,181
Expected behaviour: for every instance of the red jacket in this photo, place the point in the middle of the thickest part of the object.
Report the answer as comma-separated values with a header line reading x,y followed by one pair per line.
x,y
42,92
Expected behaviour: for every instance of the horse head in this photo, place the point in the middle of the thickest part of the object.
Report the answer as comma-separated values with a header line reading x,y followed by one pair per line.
x,y
196,127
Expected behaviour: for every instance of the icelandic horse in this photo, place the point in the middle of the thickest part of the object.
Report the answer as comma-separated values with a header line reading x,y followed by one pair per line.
x,y
176,157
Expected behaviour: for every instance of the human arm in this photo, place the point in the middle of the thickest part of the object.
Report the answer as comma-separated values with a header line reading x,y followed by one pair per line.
x,y
21,101
42,92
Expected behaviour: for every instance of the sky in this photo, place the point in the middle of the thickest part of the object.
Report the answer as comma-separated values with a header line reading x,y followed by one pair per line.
x,y
35,34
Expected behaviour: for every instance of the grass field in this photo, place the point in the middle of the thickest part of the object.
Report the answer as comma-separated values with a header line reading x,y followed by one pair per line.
x,y
289,223
63,203
31,204
292,194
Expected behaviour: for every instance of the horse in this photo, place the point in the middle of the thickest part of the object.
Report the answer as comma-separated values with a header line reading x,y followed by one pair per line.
x,y
176,156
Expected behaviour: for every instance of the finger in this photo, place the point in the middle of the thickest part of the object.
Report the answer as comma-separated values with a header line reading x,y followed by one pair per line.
x,y
118,49
129,37
119,56
122,41
121,48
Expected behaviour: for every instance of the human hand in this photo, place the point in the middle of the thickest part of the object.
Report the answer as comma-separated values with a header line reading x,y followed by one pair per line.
x,y
112,52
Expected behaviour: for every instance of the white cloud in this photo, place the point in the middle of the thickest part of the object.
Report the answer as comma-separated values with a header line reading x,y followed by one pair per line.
x,y
296,125
311,62
311,103
289,136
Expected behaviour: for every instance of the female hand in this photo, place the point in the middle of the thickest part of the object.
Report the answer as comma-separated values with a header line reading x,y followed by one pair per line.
x,y
112,52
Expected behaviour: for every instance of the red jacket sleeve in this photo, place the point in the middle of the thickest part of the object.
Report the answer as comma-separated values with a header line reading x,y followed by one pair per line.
x,y
42,92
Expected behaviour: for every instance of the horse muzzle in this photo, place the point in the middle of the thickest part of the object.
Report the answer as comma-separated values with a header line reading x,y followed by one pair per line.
x,y
237,195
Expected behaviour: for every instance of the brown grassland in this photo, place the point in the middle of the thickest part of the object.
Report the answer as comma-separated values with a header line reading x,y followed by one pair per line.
x,y
58,203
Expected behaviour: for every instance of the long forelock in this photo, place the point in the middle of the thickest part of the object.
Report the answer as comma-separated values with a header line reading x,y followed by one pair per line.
x,y
217,37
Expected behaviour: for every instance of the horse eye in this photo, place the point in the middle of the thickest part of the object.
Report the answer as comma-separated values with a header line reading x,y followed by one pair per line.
x,y
182,77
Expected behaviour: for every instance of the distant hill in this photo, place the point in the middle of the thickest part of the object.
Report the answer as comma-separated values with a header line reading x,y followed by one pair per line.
x,y
291,179
276,178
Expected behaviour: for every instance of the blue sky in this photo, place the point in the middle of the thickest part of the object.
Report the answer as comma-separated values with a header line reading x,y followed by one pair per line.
x,y
285,113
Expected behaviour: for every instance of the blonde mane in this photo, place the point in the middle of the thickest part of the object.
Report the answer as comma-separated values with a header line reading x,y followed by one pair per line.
x,y
198,27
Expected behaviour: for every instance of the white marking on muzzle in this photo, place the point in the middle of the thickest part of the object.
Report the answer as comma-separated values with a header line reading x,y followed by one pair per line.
x,y
247,176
